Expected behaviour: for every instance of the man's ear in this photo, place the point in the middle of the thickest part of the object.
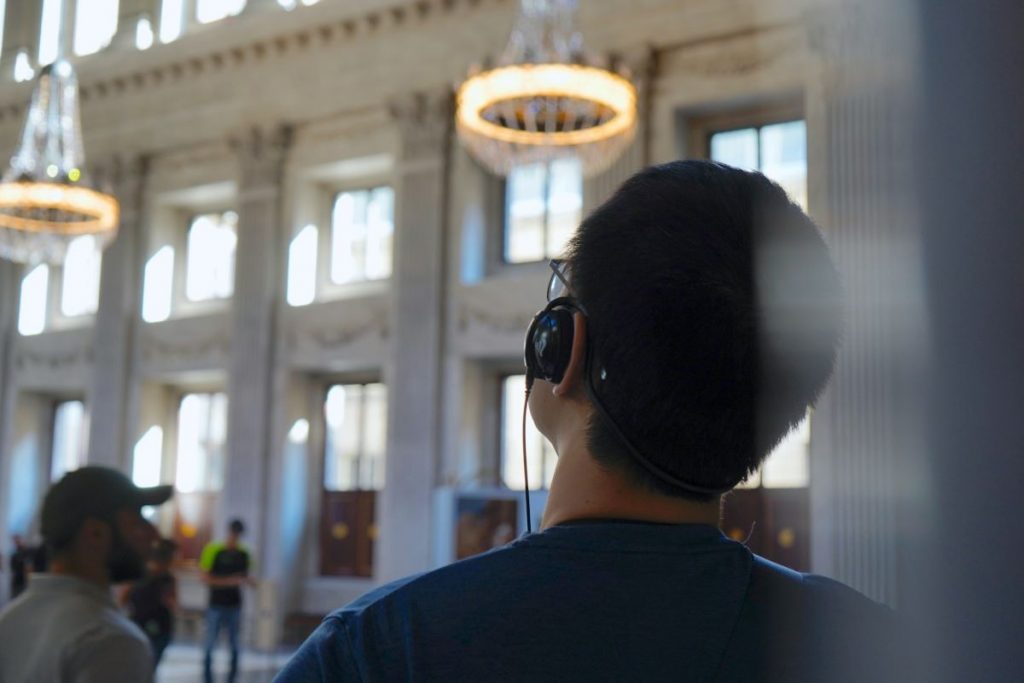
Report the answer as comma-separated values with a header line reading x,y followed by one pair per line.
x,y
572,380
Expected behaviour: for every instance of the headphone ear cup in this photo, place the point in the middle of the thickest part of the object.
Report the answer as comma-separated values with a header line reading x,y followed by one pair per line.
x,y
549,344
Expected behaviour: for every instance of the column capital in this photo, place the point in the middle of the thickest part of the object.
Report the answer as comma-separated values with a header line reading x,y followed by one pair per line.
x,y
261,151
424,122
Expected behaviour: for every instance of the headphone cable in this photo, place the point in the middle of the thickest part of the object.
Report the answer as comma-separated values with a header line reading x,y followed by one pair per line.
x,y
526,475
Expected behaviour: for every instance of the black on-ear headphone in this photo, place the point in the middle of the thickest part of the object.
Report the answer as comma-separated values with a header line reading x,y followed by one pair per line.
x,y
548,351
549,341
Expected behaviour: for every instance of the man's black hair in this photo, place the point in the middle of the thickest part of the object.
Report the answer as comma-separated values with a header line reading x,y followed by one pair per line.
x,y
713,320
237,526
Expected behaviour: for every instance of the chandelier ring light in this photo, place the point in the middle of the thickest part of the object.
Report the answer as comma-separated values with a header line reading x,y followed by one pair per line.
x,y
543,102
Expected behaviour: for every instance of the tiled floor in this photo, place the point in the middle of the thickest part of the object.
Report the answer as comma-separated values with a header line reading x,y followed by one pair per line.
x,y
184,664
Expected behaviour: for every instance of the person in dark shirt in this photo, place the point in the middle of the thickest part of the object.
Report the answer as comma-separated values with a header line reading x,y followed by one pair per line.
x,y
694,320
25,560
152,602
225,567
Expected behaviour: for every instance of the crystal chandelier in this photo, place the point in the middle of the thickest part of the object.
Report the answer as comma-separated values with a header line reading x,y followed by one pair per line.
x,y
45,200
542,102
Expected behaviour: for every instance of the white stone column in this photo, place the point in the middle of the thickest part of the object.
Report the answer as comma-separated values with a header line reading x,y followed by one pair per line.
x,y
414,384
866,421
259,259
115,320
21,32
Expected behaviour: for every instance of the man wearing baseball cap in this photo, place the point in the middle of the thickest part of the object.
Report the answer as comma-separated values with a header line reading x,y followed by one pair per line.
x,y
66,627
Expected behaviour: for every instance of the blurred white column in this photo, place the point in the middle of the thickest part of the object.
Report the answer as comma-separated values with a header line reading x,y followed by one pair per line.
x,y
415,391
259,274
116,317
21,32
858,136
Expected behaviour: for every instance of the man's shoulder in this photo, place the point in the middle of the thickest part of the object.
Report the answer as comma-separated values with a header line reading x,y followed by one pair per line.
x,y
772,583
441,584
802,627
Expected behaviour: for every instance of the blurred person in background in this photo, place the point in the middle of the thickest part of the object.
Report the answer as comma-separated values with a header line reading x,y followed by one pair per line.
x,y
153,601
225,566
25,560
66,626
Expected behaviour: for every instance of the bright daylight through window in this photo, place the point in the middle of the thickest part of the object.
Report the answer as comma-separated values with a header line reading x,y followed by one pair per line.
x,y
543,203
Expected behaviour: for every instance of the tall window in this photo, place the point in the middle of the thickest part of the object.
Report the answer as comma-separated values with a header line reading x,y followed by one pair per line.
x,y
3,8
543,203
210,256
779,150
32,302
354,457
80,278
50,30
202,430
78,281
356,417
70,434
172,19
540,454
95,25
215,10
362,230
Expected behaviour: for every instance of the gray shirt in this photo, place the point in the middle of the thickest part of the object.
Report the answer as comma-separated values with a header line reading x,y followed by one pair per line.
x,y
67,630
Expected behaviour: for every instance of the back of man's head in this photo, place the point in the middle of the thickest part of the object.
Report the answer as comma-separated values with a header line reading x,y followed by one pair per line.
x,y
713,320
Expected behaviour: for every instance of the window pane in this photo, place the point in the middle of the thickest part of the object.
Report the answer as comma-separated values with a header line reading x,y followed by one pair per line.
x,y
95,25
32,305
736,147
348,237
302,267
565,204
70,435
202,427
375,419
80,284
172,15
210,259
144,34
786,467
356,439
380,229
214,10
540,454
784,157
49,35
156,287
23,70
362,231
524,213
147,457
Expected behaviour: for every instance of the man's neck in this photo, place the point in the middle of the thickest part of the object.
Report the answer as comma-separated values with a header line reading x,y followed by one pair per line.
x,y
583,489
86,571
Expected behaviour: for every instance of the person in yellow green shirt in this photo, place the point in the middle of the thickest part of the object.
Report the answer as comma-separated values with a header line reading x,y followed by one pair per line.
x,y
225,569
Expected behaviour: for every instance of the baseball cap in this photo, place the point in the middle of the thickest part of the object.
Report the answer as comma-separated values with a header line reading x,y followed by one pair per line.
x,y
92,491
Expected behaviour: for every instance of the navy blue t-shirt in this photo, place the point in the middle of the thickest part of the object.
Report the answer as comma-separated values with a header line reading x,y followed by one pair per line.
x,y
602,601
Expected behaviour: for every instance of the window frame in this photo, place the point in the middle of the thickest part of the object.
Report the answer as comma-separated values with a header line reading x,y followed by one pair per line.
x,y
320,495
498,391
324,389
697,128
500,197
55,404
326,287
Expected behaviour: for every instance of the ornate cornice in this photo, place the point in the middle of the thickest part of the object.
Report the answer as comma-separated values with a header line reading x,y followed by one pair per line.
x,y
297,40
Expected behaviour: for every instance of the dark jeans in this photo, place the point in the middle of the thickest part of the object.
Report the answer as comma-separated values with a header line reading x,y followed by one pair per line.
x,y
229,618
